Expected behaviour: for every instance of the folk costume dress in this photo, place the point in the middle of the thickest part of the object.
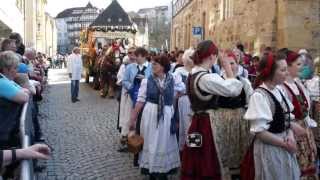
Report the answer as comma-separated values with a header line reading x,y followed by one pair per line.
x,y
184,109
132,84
307,152
125,103
160,154
203,162
269,110
313,86
232,134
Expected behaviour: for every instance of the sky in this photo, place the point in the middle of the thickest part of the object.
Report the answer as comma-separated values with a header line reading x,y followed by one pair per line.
x,y
56,6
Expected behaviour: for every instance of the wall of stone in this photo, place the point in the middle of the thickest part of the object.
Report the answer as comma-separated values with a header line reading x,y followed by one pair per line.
x,y
255,23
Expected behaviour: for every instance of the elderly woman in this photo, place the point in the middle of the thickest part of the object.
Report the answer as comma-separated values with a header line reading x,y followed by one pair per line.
x,y
184,110
9,90
160,154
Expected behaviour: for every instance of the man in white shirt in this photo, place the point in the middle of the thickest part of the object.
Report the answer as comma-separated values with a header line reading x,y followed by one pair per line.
x,y
75,71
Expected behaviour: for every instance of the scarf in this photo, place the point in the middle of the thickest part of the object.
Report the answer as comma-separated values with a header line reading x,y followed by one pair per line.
x,y
167,81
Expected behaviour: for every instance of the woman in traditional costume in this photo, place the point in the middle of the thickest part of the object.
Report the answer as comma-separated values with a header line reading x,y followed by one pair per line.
x,y
125,104
183,105
231,132
313,86
299,97
200,159
269,114
160,154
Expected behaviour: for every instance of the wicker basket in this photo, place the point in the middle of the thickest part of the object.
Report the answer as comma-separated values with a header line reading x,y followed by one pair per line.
x,y
135,144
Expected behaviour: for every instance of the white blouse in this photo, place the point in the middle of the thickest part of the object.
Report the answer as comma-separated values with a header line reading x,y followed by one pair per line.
x,y
213,83
261,108
247,88
121,74
294,88
313,86
179,86
181,71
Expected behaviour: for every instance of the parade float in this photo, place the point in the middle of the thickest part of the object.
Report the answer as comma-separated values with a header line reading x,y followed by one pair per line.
x,y
111,25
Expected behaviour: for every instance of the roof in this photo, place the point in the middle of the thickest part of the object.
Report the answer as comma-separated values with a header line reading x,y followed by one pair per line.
x,y
89,5
144,10
113,15
71,11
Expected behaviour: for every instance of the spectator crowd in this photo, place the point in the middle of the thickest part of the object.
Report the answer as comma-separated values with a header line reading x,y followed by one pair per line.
x,y
23,74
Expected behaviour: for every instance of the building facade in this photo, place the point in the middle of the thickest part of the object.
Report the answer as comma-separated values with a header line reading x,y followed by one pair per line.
x,y
50,37
158,25
142,34
70,22
40,28
11,17
29,19
257,24
62,36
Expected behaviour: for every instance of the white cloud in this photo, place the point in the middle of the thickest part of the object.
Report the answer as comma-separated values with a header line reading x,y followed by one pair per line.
x,y
56,6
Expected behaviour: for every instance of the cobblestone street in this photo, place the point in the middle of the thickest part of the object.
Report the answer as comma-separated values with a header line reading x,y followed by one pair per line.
x,y
83,135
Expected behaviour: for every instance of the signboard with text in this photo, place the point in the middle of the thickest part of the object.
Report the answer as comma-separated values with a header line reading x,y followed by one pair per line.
x,y
197,32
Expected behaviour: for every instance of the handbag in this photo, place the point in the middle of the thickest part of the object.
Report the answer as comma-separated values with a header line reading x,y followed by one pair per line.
x,y
247,170
135,144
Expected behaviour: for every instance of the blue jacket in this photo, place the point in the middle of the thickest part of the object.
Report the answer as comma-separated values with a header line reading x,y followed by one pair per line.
x,y
131,72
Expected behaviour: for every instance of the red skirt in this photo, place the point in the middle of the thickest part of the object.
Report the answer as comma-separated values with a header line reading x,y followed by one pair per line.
x,y
201,163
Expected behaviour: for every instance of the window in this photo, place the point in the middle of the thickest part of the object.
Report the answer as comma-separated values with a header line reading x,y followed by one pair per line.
x,y
226,7
204,26
39,26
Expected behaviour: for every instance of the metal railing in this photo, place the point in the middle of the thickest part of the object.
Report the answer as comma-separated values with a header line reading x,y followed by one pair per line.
x,y
26,172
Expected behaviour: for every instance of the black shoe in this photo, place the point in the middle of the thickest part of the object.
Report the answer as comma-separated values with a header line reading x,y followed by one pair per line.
x,y
77,100
123,149
39,168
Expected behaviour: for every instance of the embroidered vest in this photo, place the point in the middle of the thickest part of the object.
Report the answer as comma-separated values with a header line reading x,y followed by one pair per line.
x,y
200,100
140,72
299,102
233,102
133,92
153,92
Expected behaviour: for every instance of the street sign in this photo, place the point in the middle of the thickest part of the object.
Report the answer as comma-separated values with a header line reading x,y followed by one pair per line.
x,y
197,31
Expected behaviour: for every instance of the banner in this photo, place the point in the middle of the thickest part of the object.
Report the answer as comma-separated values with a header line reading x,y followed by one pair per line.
x,y
112,35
